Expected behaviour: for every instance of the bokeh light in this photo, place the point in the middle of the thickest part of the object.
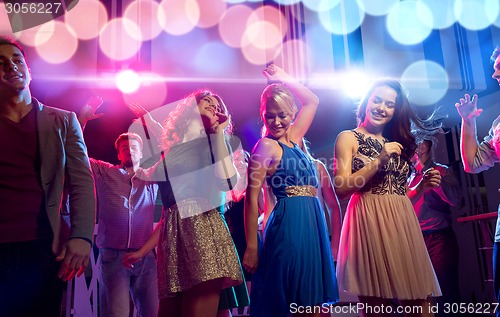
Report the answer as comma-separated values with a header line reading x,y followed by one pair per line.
x,y
294,52
318,49
5,27
342,19
177,50
116,40
259,56
405,22
215,58
32,36
287,2
378,8
476,14
266,27
320,5
60,47
178,17
442,13
150,93
262,35
233,24
144,13
212,12
427,82
127,81
87,19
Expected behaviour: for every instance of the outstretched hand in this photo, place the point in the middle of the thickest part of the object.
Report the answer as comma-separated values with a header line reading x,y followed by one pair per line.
x,y
88,111
275,73
467,107
137,109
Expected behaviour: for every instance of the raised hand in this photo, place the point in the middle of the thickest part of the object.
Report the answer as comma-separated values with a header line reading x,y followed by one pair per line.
x,y
137,109
221,123
87,112
467,107
275,73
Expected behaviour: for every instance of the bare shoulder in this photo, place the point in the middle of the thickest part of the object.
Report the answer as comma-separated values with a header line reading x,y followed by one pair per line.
x,y
266,147
346,137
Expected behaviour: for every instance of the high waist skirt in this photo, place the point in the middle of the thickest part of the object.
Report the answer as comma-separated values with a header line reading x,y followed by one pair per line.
x,y
194,249
382,252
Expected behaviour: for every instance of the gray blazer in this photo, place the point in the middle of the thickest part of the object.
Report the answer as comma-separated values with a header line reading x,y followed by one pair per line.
x,y
65,165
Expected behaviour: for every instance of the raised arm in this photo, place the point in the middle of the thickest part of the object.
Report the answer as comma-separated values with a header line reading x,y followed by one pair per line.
x,y
307,98
147,120
88,111
467,109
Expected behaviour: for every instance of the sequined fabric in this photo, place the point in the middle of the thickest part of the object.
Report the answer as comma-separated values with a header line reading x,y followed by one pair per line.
x,y
306,190
194,249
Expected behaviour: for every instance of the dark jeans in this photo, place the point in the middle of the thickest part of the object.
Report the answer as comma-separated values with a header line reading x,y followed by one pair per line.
x,y
443,250
496,273
29,285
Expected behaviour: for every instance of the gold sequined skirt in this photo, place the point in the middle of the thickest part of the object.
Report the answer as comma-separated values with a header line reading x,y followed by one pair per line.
x,y
195,249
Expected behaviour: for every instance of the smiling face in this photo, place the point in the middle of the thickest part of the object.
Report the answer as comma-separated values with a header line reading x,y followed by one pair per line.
x,y
15,75
380,106
276,119
209,108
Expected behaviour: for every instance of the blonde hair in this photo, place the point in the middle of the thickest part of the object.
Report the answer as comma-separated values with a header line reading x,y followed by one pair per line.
x,y
281,95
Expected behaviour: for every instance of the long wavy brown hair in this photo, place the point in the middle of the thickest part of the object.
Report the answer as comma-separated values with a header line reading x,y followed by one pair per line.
x,y
176,124
405,123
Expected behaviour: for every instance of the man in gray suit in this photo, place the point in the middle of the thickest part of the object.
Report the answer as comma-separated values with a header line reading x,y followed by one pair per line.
x,y
42,152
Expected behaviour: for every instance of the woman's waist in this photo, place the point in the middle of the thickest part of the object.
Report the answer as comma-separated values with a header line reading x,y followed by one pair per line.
x,y
192,206
297,191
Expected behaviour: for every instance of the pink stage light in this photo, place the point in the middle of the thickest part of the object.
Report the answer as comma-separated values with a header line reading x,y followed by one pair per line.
x,y
87,19
31,37
144,13
233,24
212,12
120,39
5,27
151,92
127,81
60,47
178,17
